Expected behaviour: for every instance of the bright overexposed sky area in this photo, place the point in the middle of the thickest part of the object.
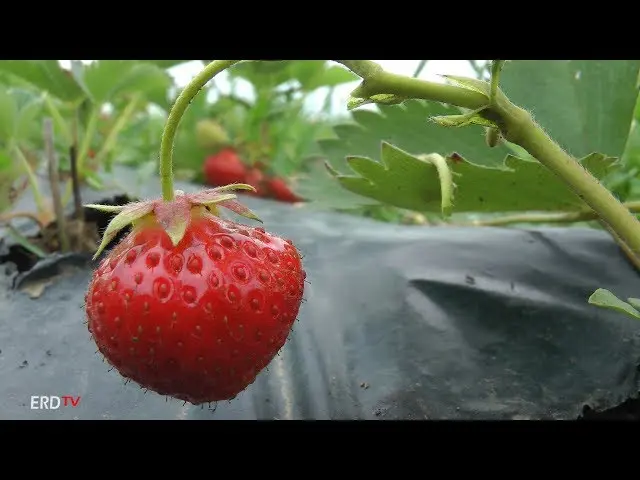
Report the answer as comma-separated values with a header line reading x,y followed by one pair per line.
x,y
185,72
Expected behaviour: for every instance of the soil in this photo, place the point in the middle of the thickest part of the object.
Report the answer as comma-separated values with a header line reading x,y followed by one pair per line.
x,y
83,235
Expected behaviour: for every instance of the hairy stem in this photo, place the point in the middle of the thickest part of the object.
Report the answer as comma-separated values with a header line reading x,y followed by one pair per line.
x,y
517,126
175,115
52,162
496,68
533,139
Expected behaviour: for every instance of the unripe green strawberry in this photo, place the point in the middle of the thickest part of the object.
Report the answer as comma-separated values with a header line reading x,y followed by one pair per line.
x,y
210,135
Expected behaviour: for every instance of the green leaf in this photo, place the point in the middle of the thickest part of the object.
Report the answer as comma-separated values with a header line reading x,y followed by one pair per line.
x,y
401,180
10,171
320,187
263,75
307,72
408,127
331,76
506,183
407,181
520,185
151,81
585,105
46,75
27,125
8,116
405,126
19,112
100,79
103,80
605,299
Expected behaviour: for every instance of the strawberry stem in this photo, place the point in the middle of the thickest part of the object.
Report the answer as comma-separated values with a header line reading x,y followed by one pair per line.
x,y
175,115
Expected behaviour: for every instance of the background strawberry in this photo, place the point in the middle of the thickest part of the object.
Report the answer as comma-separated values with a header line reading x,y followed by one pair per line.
x,y
279,190
224,167
195,315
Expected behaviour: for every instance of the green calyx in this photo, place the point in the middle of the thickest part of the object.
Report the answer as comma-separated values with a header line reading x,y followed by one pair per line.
x,y
173,216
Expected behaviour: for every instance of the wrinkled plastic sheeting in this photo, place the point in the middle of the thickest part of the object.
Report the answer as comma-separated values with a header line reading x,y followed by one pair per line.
x,y
400,322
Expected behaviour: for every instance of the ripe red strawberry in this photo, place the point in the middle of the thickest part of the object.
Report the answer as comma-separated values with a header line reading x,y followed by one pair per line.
x,y
281,191
191,305
223,168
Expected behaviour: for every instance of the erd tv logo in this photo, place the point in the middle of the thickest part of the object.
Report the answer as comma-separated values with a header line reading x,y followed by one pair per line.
x,y
53,402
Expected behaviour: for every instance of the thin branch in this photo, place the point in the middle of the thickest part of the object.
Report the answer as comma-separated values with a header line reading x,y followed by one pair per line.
x,y
52,161
75,181
553,217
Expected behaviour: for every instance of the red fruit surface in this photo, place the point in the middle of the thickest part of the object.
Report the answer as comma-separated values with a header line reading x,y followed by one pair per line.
x,y
200,320
281,191
224,167
256,179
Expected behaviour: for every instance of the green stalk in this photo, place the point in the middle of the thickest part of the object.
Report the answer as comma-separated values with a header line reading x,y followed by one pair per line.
x,y
377,81
52,161
117,127
551,217
517,126
58,120
33,182
89,133
175,115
